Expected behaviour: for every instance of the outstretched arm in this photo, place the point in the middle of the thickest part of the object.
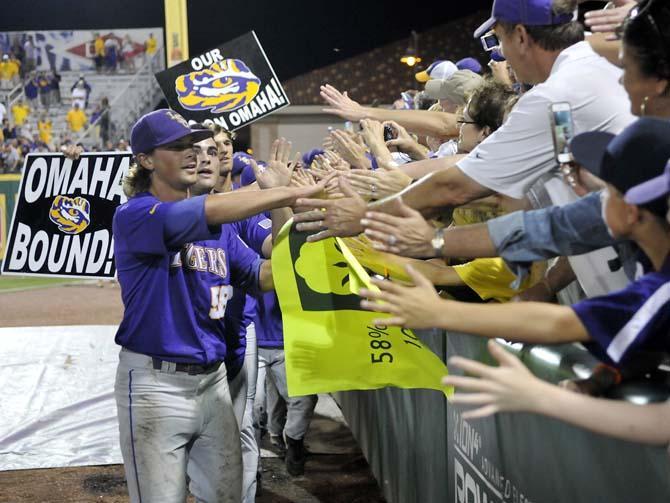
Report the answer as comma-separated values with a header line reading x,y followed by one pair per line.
x,y
512,388
421,122
419,306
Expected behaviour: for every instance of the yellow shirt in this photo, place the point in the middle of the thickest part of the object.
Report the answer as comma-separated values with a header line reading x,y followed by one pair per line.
x,y
151,45
44,129
20,114
490,278
76,119
99,46
8,69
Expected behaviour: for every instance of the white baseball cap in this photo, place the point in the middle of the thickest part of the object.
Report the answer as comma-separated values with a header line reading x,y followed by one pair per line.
x,y
440,70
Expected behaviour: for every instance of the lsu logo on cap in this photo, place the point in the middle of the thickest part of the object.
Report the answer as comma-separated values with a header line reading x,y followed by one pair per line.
x,y
224,86
71,215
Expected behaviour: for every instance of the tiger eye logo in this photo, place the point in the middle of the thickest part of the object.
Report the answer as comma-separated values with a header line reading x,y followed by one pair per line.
x,y
71,215
223,87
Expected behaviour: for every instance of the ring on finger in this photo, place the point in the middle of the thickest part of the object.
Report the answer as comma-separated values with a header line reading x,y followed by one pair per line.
x,y
373,188
392,240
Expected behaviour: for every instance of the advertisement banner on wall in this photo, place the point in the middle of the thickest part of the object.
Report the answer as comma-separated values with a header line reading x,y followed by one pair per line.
x,y
62,225
231,85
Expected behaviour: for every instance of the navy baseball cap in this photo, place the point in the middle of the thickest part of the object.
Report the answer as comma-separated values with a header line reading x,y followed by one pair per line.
x,y
161,127
638,154
528,12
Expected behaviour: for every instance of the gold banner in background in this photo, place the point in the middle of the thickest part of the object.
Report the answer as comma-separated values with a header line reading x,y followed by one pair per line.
x,y
176,31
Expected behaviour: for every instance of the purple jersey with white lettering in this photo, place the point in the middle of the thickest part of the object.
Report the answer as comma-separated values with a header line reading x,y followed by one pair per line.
x,y
176,274
269,327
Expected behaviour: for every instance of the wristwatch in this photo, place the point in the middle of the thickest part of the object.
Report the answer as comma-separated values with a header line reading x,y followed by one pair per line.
x,y
438,242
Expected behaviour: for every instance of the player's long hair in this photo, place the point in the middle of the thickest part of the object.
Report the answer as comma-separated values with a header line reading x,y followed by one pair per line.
x,y
137,180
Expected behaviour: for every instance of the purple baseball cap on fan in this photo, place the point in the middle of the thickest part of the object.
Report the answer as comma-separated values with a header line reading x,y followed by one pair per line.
x,y
528,12
161,127
469,64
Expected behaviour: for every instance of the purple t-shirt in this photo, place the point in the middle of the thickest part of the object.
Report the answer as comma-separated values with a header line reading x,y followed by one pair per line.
x,y
176,274
269,328
636,318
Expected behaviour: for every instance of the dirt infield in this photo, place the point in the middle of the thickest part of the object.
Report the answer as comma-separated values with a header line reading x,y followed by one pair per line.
x,y
329,478
75,304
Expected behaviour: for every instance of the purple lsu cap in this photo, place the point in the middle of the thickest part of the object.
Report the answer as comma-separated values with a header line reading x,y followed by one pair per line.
x,y
240,161
469,64
528,12
161,127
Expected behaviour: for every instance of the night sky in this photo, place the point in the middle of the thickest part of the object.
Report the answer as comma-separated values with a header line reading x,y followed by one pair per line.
x,y
298,36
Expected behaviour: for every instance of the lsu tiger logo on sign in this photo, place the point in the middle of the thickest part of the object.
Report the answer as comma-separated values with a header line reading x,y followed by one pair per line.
x,y
71,215
226,85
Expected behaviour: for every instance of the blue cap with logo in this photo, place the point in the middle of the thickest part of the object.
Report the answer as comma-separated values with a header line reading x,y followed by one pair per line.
x,y
528,12
161,127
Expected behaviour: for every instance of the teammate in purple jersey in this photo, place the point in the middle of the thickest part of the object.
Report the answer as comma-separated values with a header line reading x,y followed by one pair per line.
x,y
176,418
293,419
241,361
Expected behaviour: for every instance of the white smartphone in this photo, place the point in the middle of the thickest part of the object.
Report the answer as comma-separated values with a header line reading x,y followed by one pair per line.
x,y
562,130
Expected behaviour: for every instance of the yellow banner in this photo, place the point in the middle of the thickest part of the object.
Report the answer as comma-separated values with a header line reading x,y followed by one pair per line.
x,y
330,343
176,31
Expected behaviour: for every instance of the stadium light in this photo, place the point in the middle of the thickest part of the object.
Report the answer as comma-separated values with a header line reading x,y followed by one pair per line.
x,y
411,55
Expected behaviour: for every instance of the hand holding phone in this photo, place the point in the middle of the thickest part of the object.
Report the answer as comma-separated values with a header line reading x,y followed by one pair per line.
x,y
562,129
389,133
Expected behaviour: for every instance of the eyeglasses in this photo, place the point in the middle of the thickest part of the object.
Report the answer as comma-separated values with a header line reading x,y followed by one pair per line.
x,y
463,121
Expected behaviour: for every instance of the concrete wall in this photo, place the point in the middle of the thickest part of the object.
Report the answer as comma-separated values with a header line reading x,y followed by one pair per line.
x,y
305,126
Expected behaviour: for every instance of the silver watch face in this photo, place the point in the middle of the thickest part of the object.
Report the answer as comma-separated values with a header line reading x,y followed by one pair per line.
x,y
438,241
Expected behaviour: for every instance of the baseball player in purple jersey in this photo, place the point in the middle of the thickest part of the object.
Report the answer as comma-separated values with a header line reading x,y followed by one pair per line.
x,y
293,420
174,264
241,362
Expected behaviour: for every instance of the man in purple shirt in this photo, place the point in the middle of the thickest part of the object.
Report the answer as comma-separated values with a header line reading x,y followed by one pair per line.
x,y
176,419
